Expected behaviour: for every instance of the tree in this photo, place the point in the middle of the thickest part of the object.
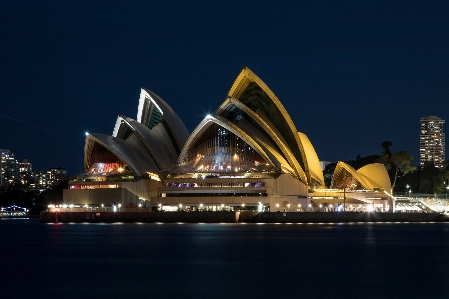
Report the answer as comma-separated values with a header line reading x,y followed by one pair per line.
x,y
386,147
433,179
439,183
446,172
400,163
425,185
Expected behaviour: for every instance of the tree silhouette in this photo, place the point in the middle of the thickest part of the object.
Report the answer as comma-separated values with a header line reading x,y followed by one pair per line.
x,y
400,162
386,147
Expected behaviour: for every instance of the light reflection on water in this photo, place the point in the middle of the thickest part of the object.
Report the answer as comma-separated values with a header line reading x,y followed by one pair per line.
x,y
332,260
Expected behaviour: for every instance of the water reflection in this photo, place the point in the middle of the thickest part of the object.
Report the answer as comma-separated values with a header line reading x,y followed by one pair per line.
x,y
176,260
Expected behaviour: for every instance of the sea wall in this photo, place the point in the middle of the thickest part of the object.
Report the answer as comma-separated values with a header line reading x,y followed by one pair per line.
x,y
110,217
317,217
232,217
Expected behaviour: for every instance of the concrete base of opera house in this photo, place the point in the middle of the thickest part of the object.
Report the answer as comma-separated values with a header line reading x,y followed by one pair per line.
x,y
233,217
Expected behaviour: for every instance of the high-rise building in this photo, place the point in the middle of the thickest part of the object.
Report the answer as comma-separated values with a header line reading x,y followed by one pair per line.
x,y
432,141
25,166
41,179
9,168
56,175
25,169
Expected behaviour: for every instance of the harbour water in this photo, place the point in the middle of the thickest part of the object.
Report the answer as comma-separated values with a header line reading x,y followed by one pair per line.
x,y
174,260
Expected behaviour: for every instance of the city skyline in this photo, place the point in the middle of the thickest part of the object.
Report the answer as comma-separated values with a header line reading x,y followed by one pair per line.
x,y
13,172
352,75
24,160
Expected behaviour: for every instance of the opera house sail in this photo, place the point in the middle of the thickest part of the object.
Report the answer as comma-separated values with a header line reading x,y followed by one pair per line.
x,y
248,153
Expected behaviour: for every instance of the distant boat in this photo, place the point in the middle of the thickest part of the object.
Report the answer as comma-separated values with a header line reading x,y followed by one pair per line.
x,y
13,212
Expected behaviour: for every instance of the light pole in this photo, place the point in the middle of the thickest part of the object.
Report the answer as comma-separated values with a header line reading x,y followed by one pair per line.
x,y
408,190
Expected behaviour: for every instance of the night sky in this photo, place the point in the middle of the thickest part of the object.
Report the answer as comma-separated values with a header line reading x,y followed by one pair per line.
x,y
351,74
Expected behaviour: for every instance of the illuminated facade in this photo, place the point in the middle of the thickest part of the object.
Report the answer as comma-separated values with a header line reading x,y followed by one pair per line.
x,y
353,190
9,167
432,141
247,154
370,177
56,175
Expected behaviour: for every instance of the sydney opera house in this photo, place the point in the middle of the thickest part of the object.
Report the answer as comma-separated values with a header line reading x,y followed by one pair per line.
x,y
248,154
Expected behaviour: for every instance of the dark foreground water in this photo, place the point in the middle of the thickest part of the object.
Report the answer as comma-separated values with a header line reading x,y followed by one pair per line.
x,y
395,260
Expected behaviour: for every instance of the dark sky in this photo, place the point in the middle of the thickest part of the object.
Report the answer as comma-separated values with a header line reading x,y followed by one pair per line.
x,y
351,74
